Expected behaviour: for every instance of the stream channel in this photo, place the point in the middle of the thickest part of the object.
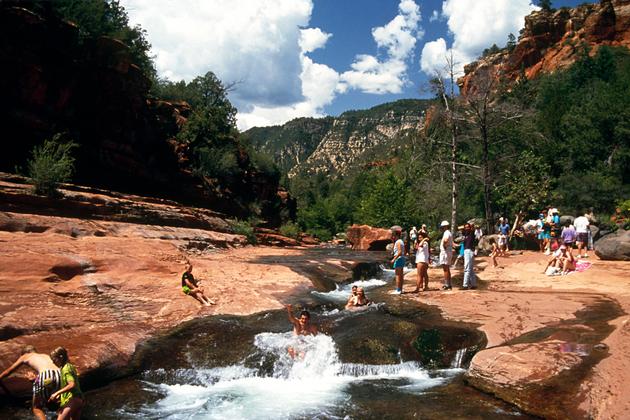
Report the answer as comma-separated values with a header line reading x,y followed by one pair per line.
x,y
393,359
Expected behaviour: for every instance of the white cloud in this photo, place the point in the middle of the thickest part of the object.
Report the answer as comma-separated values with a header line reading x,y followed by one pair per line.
x,y
434,16
264,45
398,39
312,39
476,25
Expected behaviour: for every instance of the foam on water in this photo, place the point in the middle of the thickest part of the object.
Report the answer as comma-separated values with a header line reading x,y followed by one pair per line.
x,y
342,292
314,383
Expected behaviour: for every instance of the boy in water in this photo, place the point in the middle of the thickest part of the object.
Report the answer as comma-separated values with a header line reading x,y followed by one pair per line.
x,y
301,326
47,381
352,295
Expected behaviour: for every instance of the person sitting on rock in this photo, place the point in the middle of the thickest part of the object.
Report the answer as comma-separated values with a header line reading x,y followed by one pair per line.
x,y
190,286
47,381
562,260
358,300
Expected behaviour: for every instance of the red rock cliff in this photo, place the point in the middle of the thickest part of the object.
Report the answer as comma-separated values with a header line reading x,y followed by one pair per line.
x,y
553,40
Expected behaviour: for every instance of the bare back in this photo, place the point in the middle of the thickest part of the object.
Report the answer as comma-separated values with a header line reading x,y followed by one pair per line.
x,y
39,362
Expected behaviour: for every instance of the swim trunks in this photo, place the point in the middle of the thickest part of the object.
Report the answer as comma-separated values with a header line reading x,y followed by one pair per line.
x,y
186,290
46,383
399,262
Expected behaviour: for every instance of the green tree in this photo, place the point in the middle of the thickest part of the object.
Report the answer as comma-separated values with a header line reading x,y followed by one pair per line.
x,y
545,5
384,204
527,185
52,163
511,42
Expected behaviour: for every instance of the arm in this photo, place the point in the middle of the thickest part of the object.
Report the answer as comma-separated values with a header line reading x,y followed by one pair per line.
x,y
13,367
549,263
66,388
190,285
292,319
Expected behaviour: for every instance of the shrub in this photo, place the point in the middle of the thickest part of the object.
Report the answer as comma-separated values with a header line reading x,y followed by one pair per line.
x,y
290,230
245,228
51,164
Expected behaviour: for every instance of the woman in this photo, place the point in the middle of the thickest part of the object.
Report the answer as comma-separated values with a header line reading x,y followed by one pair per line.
x,y
422,262
358,300
398,260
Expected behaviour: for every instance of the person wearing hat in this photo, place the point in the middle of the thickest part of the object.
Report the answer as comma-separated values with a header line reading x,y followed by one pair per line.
x,y
562,260
446,253
398,260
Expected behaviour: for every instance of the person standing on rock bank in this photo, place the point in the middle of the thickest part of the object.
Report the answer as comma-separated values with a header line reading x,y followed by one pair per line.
x,y
398,260
48,377
470,279
190,286
446,254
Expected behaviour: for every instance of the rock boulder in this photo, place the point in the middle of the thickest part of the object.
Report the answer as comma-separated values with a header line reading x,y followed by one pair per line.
x,y
368,238
615,246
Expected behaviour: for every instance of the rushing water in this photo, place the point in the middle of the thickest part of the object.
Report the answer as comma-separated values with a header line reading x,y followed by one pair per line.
x,y
366,364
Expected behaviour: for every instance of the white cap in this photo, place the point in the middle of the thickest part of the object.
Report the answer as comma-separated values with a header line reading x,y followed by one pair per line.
x,y
444,223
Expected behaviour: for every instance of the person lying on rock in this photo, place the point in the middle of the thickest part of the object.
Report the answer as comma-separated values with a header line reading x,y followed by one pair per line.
x,y
358,300
47,381
70,396
190,286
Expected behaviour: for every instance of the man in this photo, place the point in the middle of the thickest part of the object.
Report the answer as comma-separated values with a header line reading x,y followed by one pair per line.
x,y
413,236
470,279
504,229
352,294
47,381
190,286
446,254
581,228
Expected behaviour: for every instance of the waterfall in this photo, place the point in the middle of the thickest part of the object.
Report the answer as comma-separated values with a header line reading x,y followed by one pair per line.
x,y
459,358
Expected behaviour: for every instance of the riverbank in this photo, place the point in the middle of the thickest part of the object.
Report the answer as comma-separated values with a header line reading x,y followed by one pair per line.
x,y
540,328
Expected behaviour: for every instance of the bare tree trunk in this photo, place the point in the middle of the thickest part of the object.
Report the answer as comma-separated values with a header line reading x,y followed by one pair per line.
x,y
454,177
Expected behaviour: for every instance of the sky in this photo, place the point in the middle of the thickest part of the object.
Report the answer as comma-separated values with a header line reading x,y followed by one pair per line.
x,y
311,58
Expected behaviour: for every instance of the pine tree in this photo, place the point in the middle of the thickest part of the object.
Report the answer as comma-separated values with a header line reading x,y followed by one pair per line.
x,y
545,5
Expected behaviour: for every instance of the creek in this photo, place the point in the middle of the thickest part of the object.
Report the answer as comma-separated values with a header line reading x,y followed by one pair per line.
x,y
393,359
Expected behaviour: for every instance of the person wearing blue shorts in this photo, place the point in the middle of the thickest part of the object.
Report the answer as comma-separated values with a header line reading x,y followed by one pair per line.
x,y
398,260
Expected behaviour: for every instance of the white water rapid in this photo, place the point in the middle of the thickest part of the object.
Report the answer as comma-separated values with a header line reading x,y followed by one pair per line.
x,y
314,384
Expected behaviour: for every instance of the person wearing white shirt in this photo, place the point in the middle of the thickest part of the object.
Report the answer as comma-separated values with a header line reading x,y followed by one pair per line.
x,y
581,227
446,254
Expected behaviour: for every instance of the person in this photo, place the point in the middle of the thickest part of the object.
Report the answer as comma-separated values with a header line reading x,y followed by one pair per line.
x,y
504,229
352,294
495,252
478,235
398,260
47,381
540,231
301,325
422,262
568,234
562,260
413,236
446,254
581,224
424,230
502,244
555,229
359,300
470,279
69,395
190,286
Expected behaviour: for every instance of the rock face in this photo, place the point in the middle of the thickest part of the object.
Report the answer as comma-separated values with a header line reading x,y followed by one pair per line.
x,y
615,246
368,238
553,40
336,145
53,81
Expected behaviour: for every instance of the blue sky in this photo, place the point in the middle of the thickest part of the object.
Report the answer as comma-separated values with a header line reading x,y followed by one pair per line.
x,y
293,58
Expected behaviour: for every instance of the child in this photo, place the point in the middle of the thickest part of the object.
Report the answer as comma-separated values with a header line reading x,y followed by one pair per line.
x,y
502,244
69,395
494,253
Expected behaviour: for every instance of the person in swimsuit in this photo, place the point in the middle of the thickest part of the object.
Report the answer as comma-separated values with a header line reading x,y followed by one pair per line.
x,y
352,295
190,286
359,300
47,381
301,326
422,262
398,259
70,396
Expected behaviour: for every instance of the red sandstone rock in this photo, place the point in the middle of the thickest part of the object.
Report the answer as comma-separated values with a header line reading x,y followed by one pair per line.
x,y
552,41
368,238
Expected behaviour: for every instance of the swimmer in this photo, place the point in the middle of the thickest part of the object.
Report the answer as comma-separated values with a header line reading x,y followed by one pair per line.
x,y
301,326
352,295
359,300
